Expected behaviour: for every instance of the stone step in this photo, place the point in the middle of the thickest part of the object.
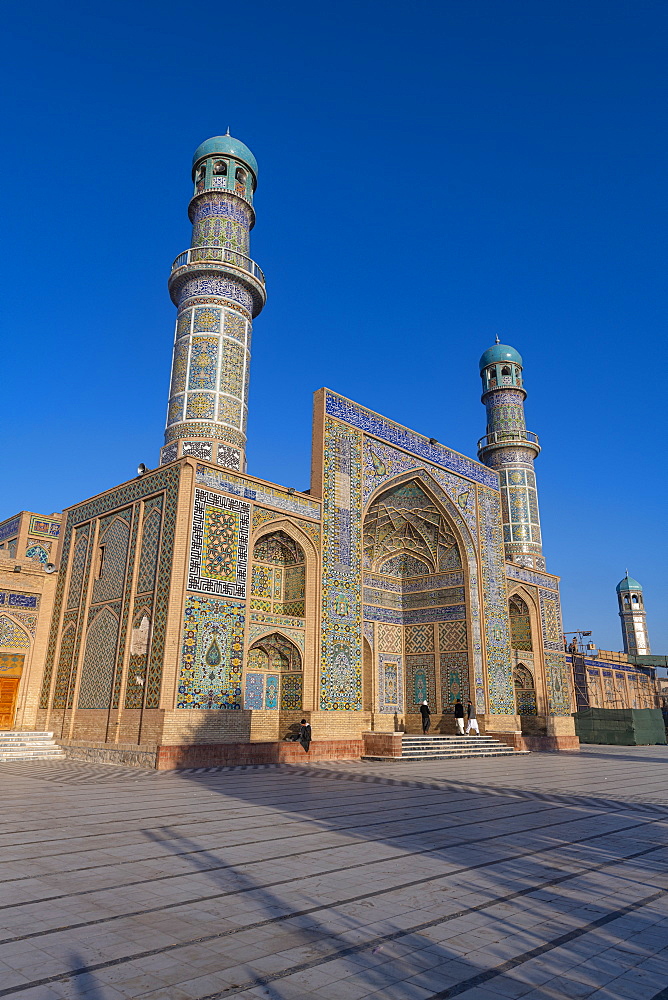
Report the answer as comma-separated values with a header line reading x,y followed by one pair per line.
x,y
444,756
16,745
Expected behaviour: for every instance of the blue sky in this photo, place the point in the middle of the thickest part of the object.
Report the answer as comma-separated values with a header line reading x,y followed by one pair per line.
x,y
431,175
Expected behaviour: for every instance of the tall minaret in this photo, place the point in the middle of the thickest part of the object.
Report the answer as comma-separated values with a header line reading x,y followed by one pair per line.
x,y
510,449
632,614
218,290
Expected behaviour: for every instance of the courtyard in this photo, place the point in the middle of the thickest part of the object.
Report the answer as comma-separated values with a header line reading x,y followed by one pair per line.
x,y
537,876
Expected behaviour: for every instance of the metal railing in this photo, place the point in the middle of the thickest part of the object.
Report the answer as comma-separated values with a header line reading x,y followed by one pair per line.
x,y
219,255
503,437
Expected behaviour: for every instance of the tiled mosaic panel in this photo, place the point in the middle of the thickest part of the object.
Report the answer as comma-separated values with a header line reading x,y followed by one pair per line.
x,y
495,606
419,638
10,599
37,552
274,651
99,660
64,671
454,679
211,662
219,545
531,576
558,686
249,490
291,691
133,492
394,434
452,635
11,635
148,561
389,638
115,539
203,363
78,564
550,613
9,528
254,691
520,624
271,691
341,663
420,682
390,683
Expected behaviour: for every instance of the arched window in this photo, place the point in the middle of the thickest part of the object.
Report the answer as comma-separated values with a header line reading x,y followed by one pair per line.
x,y
505,370
273,674
520,624
634,600
220,168
278,579
491,376
240,181
201,176
525,692
627,603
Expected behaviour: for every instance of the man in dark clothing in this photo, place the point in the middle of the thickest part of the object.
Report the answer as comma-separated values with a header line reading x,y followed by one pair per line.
x,y
471,721
426,720
305,734
459,717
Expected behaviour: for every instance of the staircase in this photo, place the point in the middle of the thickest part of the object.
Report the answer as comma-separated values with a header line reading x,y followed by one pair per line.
x,y
421,748
28,746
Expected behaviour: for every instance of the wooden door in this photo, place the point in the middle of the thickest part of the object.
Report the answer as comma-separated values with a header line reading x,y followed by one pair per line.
x,y
9,689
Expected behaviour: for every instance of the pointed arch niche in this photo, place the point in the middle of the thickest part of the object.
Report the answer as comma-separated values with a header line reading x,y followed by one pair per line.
x,y
284,573
273,674
417,573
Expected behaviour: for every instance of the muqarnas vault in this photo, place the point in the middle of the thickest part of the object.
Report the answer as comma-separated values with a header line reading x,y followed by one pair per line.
x,y
200,612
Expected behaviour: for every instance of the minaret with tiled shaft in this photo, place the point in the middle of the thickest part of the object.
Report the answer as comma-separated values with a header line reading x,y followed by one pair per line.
x,y
632,614
510,449
218,291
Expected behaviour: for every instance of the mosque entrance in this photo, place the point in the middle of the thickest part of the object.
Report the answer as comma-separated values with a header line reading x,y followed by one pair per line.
x,y
11,668
415,598
9,689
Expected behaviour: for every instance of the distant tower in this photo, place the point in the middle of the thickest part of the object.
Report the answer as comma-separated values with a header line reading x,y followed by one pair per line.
x,y
510,449
218,291
632,613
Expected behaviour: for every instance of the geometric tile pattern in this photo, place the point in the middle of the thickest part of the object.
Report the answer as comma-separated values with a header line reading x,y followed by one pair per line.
x,y
452,635
64,672
99,660
558,685
219,545
149,548
211,663
341,661
495,607
420,639
167,480
550,613
115,539
11,635
389,638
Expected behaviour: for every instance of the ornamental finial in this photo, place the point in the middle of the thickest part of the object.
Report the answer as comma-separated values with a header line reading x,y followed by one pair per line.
x,y
497,339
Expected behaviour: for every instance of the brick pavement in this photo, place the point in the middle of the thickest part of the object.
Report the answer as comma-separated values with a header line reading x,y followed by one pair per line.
x,y
539,877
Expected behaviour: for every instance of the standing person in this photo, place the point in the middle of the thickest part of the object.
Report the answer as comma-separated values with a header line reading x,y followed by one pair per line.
x,y
305,734
426,720
471,721
459,716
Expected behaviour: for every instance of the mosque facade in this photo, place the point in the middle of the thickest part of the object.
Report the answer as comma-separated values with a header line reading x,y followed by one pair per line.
x,y
198,612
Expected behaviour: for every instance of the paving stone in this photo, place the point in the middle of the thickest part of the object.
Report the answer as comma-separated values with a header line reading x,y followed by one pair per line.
x,y
501,878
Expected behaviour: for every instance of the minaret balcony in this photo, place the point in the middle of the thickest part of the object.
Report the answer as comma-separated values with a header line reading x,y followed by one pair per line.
x,y
219,260
500,439
220,255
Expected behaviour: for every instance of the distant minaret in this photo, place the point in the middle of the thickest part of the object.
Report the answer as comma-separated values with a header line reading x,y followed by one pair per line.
x,y
510,449
218,291
632,614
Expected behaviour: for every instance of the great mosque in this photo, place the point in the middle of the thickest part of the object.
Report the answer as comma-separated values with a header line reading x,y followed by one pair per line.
x,y
194,614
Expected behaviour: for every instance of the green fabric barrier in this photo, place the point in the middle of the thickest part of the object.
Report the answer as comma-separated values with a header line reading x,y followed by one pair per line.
x,y
620,726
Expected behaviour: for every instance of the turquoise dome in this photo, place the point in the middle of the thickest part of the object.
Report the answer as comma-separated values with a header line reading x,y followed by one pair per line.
x,y
226,145
628,583
500,353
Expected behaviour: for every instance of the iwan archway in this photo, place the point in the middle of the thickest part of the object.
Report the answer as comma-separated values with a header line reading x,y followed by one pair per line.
x,y
417,604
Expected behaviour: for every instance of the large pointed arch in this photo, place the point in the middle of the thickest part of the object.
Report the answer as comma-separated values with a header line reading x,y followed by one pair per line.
x,y
468,550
